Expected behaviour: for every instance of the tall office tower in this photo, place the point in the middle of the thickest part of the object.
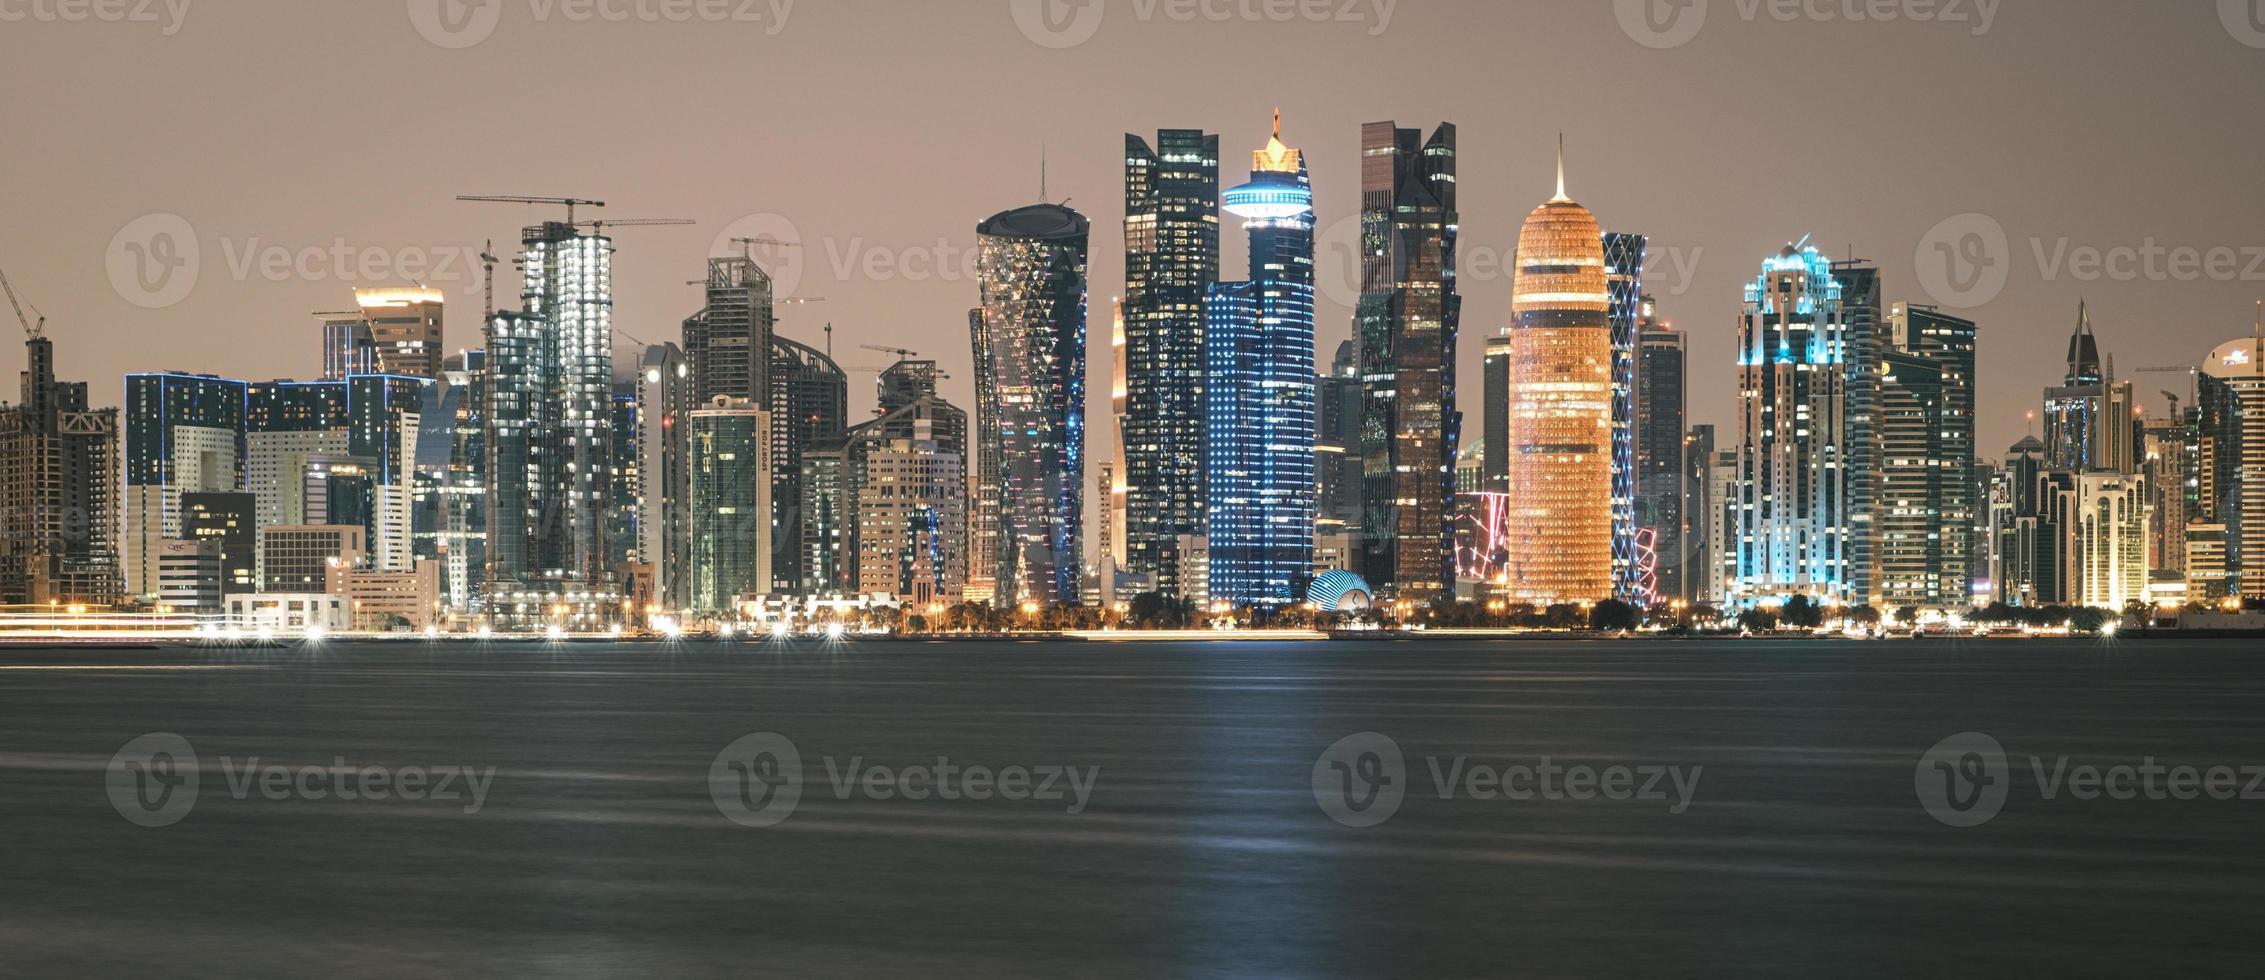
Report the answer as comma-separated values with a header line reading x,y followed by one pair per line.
x,y
2088,419
1340,395
1624,282
1116,494
58,491
1698,520
912,523
288,423
1663,472
1952,344
347,346
2092,530
1030,359
229,522
731,512
2022,558
1723,475
1494,471
2169,467
1794,521
1563,505
451,527
727,345
2232,399
1259,424
404,329
1406,326
1171,259
809,414
184,434
1913,539
628,479
550,435
383,426
836,475
1863,343
664,485
983,477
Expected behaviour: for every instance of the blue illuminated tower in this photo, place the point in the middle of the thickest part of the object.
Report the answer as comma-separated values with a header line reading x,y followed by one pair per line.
x,y
1259,392
1793,485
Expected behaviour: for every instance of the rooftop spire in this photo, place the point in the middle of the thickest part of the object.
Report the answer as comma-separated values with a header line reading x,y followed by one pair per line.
x,y
1561,171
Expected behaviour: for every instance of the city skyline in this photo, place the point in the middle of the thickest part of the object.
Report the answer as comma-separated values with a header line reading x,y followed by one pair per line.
x,y
377,201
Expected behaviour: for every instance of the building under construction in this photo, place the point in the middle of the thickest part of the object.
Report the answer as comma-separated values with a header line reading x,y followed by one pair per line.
x,y
58,506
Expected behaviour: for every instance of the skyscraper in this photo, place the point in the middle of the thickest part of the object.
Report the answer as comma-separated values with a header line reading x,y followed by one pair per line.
x,y
184,434
1260,417
550,437
727,345
1337,447
1406,325
1912,537
1664,485
1563,504
1792,503
809,416
58,491
2090,421
730,508
915,418
1495,469
1951,345
452,525
664,485
1863,342
2232,395
1030,358
1171,260
404,330
1624,282
911,523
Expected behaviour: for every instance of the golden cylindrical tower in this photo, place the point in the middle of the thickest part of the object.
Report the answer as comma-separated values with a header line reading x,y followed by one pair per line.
x,y
1561,409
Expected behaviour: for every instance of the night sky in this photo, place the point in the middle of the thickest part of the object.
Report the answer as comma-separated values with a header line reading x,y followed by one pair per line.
x,y
880,133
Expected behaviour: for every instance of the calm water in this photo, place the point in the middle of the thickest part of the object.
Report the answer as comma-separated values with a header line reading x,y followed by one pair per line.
x,y
598,848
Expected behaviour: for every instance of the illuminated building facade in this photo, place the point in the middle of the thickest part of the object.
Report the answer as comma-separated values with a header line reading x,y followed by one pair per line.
x,y
809,418
1951,345
2232,403
1791,498
550,433
1624,282
1563,509
1912,542
1260,417
730,485
2090,420
1171,261
1494,468
1030,362
184,434
1406,323
664,473
1664,480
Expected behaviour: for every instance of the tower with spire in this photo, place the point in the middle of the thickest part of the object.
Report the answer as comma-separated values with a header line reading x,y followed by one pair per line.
x,y
1259,392
2091,420
1562,525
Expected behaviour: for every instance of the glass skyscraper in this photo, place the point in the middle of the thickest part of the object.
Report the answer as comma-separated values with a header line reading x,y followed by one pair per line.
x,y
1406,325
1624,282
1030,359
1171,260
1260,421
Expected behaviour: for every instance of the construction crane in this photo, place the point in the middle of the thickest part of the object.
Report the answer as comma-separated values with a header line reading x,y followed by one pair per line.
x,y
600,225
487,265
746,244
570,202
901,353
32,331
